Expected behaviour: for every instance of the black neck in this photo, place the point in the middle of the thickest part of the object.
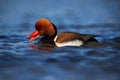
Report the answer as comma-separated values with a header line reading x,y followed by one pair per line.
x,y
55,30
50,39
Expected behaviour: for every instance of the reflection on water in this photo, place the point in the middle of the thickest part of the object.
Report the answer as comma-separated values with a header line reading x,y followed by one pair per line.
x,y
21,60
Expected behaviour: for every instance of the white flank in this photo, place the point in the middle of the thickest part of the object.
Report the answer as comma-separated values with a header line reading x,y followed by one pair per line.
x,y
55,38
70,43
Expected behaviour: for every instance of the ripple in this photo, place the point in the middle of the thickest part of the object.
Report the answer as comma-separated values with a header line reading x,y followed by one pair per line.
x,y
3,37
20,60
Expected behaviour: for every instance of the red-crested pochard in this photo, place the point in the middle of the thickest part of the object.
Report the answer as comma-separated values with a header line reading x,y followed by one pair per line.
x,y
44,27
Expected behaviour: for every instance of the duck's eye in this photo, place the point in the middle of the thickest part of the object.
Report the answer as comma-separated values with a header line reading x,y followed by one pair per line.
x,y
37,28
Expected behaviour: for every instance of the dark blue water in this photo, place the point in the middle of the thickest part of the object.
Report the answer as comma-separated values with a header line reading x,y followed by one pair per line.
x,y
21,60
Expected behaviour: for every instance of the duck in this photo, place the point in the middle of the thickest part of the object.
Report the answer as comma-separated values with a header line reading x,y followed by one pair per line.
x,y
48,30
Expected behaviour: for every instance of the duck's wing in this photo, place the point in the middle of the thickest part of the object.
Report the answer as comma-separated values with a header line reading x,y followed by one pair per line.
x,y
70,36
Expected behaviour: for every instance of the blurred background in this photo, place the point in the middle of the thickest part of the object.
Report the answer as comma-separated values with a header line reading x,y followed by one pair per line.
x,y
83,12
18,61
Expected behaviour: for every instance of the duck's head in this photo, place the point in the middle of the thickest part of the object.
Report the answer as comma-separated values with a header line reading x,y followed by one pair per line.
x,y
43,27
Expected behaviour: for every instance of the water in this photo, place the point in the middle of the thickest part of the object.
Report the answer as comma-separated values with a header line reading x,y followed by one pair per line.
x,y
21,60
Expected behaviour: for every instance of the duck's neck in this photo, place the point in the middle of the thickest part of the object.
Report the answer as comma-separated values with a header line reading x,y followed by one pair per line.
x,y
55,30
50,38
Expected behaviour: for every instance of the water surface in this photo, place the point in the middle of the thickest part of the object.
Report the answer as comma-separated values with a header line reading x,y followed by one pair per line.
x,y
21,60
